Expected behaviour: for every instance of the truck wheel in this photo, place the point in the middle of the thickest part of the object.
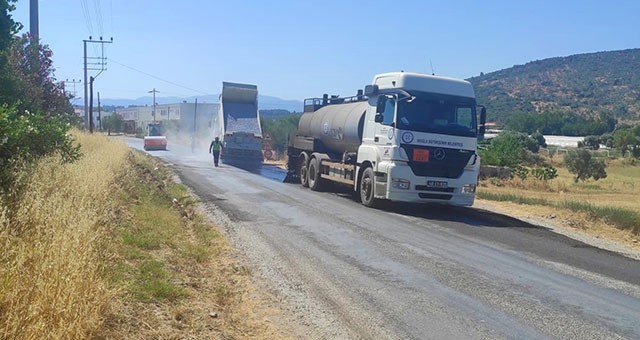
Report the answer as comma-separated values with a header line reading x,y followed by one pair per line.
x,y
304,171
367,185
316,183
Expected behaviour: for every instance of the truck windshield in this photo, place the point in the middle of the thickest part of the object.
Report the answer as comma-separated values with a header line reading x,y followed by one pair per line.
x,y
449,115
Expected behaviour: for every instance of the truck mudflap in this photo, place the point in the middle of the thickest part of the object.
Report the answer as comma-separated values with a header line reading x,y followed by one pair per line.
x,y
293,175
241,157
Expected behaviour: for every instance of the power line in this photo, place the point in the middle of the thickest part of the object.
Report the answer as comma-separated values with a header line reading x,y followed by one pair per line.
x,y
111,14
87,16
98,10
142,90
156,77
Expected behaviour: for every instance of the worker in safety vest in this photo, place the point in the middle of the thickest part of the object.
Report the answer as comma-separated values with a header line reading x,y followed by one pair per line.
x,y
215,148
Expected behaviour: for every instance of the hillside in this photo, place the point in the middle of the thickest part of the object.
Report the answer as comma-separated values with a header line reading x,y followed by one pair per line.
x,y
584,84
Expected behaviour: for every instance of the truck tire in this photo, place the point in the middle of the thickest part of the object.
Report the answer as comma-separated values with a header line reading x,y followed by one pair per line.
x,y
316,183
366,189
303,170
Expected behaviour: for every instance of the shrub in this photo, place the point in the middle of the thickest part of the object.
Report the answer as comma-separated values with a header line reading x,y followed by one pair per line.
x,y
545,173
26,137
539,138
521,172
592,142
584,166
507,149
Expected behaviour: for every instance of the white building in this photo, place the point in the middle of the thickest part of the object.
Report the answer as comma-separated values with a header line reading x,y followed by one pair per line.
x,y
182,113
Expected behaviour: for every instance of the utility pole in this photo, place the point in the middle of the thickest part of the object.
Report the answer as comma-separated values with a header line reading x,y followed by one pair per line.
x,y
74,82
101,63
91,105
33,20
99,112
154,103
195,112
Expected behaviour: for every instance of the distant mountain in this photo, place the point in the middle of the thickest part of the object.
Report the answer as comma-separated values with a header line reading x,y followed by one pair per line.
x,y
584,84
264,102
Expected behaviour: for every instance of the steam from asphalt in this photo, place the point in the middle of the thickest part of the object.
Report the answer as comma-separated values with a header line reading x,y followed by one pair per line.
x,y
189,144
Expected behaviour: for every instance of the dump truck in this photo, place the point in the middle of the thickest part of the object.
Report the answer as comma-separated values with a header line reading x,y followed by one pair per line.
x,y
238,124
408,137
155,139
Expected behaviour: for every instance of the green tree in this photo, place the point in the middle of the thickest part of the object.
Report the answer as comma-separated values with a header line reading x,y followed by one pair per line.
x,y
281,129
583,165
34,111
539,138
112,123
507,149
8,28
625,139
27,137
36,89
593,142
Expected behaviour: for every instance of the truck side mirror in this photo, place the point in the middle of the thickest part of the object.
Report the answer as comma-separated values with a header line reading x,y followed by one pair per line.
x,y
371,90
483,120
378,118
381,104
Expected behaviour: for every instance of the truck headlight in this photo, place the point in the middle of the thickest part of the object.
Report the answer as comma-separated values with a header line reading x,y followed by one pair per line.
x,y
400,183
468,189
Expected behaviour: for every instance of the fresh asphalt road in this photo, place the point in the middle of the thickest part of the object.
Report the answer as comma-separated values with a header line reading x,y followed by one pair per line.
x,y
343,271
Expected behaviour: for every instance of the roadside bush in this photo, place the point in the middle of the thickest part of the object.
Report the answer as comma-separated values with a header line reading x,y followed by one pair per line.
x,y
530,143
27,137
584,166
545,173
539,138
521,172
507,149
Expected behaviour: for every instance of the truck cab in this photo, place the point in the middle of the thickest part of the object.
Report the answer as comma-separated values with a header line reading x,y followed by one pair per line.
x,y
420,140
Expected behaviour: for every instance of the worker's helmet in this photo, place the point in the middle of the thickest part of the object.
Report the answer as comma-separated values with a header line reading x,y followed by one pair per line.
x,y
217,139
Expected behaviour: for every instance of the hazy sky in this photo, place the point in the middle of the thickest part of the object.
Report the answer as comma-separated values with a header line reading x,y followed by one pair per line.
x,y
298,49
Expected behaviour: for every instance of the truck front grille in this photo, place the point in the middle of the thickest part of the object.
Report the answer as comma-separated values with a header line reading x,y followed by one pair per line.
x,y
451,165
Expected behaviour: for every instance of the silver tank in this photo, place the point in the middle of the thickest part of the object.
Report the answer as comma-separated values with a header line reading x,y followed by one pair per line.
x,y
338,126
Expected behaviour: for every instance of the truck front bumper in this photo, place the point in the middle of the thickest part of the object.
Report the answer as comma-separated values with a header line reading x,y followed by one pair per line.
x,y
404,186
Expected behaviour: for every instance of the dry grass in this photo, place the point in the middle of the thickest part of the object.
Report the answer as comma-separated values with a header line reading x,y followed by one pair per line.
x,y
52,246
100,249
613,200
179,277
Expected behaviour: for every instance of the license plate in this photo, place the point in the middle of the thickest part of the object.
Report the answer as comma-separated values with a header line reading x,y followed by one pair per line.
x,y
437,184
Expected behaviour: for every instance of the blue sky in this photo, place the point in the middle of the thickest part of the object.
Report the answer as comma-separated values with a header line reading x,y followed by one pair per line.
x,y
299,49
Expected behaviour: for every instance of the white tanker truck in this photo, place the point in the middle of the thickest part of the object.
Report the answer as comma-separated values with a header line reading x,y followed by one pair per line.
x,y
409,138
